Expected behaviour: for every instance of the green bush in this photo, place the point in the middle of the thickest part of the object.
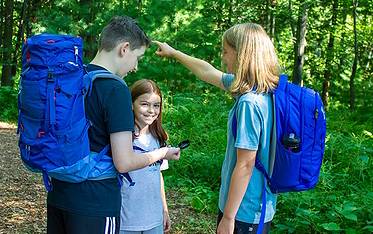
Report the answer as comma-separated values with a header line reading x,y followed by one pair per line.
x,y
8,103
341,202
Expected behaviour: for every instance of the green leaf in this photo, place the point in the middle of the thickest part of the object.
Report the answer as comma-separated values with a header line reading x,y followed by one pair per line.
x,y
364,158
331,226
367,133
349,215
349,207
369,228
350,231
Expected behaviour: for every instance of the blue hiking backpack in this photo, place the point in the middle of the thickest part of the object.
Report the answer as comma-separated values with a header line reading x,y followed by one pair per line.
x,y
52,125
297,141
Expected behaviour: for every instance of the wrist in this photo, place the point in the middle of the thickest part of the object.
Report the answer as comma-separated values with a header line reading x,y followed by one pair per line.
x,y
163,152
174,53
228,217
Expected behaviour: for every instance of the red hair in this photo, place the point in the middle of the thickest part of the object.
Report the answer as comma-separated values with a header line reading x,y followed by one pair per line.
x,y
144,86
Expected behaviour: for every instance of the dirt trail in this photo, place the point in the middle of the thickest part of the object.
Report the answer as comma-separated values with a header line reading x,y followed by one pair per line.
x,y
23,196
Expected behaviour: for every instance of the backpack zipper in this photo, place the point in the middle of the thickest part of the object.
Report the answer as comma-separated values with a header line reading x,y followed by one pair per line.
x,y
315,117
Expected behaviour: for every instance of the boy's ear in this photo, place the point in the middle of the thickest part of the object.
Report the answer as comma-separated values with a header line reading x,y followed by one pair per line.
x,y
123,48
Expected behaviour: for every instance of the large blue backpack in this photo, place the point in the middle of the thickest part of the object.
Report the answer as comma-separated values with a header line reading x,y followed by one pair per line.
x,y
297,142
52,125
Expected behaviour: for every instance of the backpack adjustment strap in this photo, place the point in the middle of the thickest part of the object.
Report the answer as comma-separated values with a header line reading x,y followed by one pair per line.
x,y
47,182
264,207
51,105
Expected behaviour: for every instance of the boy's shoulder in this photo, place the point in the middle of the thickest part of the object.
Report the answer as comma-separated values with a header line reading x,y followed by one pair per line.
x,y
105,83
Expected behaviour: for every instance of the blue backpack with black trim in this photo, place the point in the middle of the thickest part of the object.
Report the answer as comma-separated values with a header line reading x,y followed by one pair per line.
x,y
52,124
297,141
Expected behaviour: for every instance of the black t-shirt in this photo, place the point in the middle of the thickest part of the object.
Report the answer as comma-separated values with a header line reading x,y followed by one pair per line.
x,y
109,108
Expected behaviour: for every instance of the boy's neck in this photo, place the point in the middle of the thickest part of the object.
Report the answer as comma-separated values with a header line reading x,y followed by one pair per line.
x,y
105,59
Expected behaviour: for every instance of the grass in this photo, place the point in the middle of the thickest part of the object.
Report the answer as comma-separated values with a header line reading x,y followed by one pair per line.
x,y
341,202
343,198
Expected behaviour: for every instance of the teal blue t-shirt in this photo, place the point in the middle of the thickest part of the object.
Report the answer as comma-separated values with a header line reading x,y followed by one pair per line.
x,y
254,114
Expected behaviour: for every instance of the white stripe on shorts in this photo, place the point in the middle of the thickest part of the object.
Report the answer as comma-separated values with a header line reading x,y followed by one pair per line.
x,y
110,225
113,228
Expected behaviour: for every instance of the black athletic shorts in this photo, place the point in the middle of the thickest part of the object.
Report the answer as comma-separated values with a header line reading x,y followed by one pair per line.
x,y
244,228
65,222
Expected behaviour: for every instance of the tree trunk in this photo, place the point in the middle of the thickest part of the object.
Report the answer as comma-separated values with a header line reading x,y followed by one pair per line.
x,y
354,66
300,44
2,16
272,19
86,33
31,10
342,58
329,56
292,24
6,76
20,36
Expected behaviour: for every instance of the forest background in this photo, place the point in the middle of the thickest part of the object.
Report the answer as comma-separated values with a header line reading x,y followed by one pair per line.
x,y
326,45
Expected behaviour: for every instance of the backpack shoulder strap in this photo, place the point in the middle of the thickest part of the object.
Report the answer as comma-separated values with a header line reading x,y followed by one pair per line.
x,y
91,76
273,141
283,79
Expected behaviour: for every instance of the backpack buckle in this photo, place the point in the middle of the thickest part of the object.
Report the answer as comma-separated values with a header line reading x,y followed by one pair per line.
x,y
41,133
50,77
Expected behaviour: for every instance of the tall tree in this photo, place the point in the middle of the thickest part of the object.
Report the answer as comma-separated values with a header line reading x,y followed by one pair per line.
x,y
6,75
271,18
1,29
329,55
20,36
354,66
300,43
344,37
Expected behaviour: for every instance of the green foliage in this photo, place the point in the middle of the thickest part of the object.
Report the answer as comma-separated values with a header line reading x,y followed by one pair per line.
x,y
342,200
8,103
198,117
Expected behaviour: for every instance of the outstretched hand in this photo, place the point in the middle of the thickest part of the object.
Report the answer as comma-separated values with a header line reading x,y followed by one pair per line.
x,y
164,50
172,153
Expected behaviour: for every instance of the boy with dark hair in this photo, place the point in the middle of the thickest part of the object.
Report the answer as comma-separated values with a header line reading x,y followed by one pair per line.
x,y
93,206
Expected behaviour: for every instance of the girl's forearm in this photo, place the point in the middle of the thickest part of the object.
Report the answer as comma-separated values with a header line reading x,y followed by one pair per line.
x,y
202,69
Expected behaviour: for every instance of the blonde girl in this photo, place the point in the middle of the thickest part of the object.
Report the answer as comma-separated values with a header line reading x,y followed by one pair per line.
x,y
251,72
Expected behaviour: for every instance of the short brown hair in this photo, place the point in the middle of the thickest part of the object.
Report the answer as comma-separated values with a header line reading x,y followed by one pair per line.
x,y
122,29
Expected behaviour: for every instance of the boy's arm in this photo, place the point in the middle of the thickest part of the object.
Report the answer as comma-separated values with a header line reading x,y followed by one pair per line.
x,y
202,69
239,181
126,160
166,217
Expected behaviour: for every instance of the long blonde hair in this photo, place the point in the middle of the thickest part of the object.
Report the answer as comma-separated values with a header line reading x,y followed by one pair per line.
x,y
257,66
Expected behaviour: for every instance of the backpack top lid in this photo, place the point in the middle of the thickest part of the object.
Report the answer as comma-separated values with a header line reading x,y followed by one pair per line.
x,y
51,50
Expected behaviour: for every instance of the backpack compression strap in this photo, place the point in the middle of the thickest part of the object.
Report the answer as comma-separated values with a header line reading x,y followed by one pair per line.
x,y
126,175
